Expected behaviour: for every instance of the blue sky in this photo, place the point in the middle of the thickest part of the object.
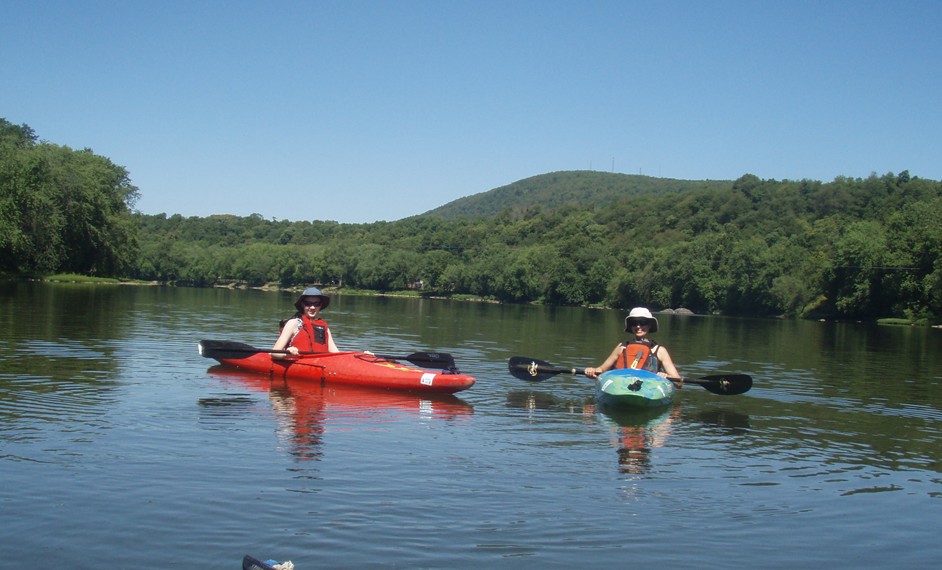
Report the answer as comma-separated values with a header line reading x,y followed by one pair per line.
x,y
362,111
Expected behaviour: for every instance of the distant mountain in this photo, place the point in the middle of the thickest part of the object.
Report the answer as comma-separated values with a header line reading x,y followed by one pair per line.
x,y
566,188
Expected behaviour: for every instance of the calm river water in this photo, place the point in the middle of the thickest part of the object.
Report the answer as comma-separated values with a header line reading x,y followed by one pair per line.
x,y
121,447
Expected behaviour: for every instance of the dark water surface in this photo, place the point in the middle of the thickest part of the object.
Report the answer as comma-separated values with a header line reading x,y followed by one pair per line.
x,y
121,447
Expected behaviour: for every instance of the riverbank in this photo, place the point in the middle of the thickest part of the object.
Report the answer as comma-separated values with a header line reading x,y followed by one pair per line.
x,y
408,293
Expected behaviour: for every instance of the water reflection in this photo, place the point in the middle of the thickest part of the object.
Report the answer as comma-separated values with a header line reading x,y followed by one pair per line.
x,y
637,432
303,408
735,422
843,430
532,400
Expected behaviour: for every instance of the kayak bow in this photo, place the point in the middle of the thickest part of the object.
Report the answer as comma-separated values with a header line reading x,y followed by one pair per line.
x,y
631,388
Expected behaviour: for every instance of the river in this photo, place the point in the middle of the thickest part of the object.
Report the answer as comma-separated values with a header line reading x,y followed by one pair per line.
x,y
121,447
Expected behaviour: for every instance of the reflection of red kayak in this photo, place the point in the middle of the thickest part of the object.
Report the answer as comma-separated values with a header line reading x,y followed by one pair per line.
x,y
312,399
304,409
354,368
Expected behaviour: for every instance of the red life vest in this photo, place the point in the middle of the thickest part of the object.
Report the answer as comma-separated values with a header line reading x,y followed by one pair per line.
x,y
311,336
639,354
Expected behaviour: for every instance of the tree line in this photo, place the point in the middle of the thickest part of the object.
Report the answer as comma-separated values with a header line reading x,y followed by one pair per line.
x,y
853,248
63,210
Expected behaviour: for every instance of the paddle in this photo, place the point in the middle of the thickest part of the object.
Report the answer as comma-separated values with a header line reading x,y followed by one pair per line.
x,y
218,349
533,370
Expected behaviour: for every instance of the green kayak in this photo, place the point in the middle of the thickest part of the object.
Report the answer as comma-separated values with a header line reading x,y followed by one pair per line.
x,y
630,388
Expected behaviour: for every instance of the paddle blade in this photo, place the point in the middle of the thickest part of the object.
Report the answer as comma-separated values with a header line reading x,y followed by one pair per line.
x,y
724,384
217,349
440,360
531,369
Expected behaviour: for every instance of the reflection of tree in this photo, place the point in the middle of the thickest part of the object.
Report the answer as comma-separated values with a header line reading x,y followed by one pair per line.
x,y
64,351
82,348
731,421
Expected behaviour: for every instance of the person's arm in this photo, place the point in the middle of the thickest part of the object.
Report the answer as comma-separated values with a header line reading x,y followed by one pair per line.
x,y
607,365
331,347
283,339
667,365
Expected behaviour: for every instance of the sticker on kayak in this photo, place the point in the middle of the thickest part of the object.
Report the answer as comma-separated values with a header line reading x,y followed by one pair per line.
x,y
427,379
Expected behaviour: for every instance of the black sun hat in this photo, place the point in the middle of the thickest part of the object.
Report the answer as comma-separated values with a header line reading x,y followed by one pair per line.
x,y
311,292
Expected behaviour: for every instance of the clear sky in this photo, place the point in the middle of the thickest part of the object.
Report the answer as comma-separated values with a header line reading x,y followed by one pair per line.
x,y
360,111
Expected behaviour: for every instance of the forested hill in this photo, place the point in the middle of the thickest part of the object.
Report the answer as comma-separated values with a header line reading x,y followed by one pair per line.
x,y
850,248
577,188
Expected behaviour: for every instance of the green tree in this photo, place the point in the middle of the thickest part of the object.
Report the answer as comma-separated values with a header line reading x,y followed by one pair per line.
x,y
860,264
63,210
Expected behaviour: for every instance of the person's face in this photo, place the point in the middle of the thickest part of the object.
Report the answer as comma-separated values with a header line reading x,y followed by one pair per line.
x,y
639,327
312,305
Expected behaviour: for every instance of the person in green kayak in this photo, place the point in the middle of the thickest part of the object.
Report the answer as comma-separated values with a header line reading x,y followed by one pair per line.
x,y
640,352
306,331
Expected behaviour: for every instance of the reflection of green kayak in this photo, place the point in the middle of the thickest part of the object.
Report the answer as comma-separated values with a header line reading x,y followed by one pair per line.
x,y
630,388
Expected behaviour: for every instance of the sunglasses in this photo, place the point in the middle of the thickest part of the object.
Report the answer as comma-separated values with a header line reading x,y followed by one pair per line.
x,y
638,323
312,303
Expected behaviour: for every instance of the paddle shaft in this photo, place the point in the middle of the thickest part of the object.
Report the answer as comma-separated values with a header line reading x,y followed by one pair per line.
x,y
218,348
534,370
581,372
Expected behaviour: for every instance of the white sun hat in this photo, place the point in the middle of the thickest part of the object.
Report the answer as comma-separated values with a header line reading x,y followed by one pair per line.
x,y
639,313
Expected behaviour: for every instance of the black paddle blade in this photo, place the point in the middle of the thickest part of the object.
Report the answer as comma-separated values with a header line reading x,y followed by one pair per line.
x,y
217,349
531,369
440,360
724,384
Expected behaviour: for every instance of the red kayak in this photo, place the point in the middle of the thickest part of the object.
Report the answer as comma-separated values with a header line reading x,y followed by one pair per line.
x,y
353,368
312,399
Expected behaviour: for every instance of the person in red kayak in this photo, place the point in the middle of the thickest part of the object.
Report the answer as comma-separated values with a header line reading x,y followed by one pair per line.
x,y
306,331
640,352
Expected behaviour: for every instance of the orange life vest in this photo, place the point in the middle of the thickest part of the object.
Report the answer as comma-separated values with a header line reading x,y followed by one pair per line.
x,y
639,354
